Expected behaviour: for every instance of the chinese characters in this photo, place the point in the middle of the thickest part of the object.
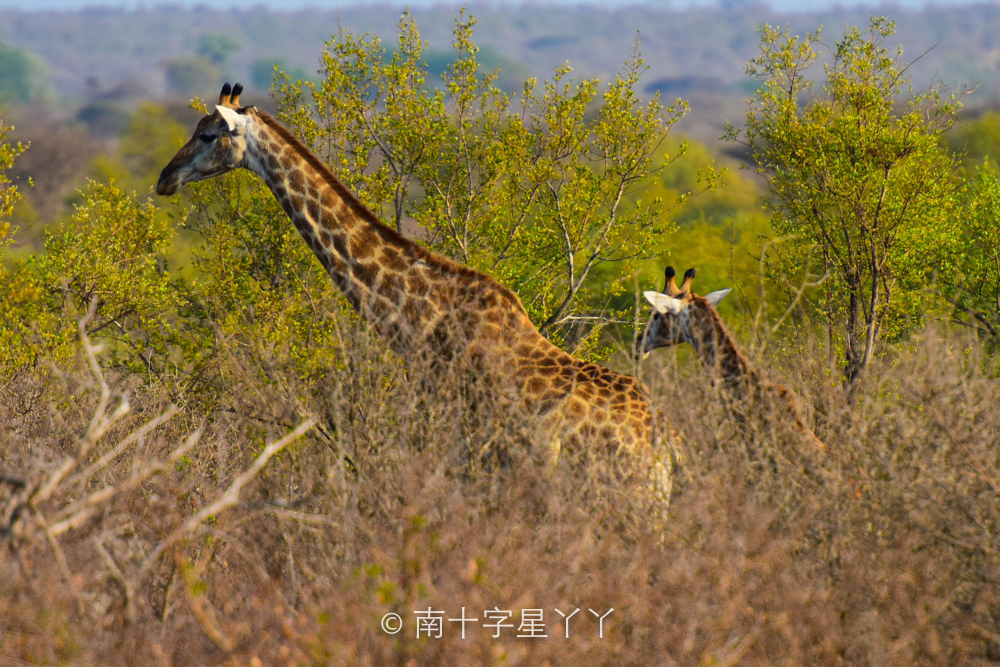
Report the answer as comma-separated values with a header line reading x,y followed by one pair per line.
x,y
430,623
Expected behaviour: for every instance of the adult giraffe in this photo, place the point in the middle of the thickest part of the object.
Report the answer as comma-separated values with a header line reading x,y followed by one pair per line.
x,y
422,303
681,316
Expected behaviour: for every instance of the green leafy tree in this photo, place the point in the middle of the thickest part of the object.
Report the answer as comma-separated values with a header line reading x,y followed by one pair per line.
x,y
857,175
22,310
974,289
217,47
22,75
114,249
975,139
9,194
540,190
257,287
149,141
263,70
187,76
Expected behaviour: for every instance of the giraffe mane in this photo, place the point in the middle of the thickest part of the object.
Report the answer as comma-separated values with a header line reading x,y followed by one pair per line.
x,y
433,259
703,303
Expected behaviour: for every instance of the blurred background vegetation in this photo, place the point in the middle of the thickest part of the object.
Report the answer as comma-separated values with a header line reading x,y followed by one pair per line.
x,y
209,304
468,152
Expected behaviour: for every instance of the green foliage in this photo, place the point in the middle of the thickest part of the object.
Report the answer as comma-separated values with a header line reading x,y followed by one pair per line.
x,y
539,191
256,287
719,230
510,74
974,289
9,194
150,140
217,47
976,140
186,76
22,75
263,70
857,177
113,250
31,325
22,312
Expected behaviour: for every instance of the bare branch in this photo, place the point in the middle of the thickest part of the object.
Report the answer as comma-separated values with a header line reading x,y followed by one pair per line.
x,y
228,499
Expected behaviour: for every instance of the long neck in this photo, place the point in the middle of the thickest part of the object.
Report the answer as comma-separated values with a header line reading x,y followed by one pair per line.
x,y
717,349
368,261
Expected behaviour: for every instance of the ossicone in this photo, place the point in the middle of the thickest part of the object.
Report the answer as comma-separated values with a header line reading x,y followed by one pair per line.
x,y
230,95
688,279
669,286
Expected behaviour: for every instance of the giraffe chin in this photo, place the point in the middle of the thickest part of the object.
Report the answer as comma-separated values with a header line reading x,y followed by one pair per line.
x,y
169,182
167,189
389,280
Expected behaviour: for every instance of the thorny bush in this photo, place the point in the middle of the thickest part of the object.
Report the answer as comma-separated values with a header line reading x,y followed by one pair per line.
x,y
396,500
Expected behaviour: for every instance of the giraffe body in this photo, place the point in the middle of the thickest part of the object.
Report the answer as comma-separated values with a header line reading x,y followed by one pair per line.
x,y
680,316
425,304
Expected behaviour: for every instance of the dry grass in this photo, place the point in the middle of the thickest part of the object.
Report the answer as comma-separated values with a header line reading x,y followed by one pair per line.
x,y
884,551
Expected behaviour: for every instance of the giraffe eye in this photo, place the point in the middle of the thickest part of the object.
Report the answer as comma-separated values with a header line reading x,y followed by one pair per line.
x,y
206,137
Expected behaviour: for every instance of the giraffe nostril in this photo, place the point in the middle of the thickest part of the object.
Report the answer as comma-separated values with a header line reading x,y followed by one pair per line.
x,y
166,185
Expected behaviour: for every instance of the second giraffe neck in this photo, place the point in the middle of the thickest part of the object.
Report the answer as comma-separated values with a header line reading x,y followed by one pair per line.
x,y
717,350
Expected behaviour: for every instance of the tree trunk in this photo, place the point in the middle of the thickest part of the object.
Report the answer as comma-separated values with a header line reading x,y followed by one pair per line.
x,y
854,363
872,322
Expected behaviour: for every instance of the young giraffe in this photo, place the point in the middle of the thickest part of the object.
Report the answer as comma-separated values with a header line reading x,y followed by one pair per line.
x,y
682,316
425,304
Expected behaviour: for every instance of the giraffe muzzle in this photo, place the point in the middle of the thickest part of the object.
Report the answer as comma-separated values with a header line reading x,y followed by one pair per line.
x,y
168,182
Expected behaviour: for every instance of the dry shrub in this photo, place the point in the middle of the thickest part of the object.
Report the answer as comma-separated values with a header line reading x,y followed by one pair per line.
x,y
408,494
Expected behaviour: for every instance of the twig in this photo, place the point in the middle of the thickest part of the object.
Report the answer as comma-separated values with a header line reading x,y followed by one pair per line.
x,y
119,577
61,560
228,499
16,482
166,600
737,653
82,510
93,434
203,612
301,516
99,423
133,436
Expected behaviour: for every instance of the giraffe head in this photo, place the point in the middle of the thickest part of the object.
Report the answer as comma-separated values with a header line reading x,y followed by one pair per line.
x,y
218,144
678,315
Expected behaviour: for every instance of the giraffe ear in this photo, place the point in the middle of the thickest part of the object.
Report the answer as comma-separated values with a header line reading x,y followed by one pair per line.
x,y
663,303
235,121
715,297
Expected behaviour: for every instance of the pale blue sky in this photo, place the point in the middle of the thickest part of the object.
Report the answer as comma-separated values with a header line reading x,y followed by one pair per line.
x,y
781,5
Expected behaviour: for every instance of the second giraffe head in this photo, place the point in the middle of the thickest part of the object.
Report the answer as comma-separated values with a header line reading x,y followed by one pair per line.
x,y
677,314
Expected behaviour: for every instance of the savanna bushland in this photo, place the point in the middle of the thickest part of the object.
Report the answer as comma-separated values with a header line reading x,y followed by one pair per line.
x,y
208,458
